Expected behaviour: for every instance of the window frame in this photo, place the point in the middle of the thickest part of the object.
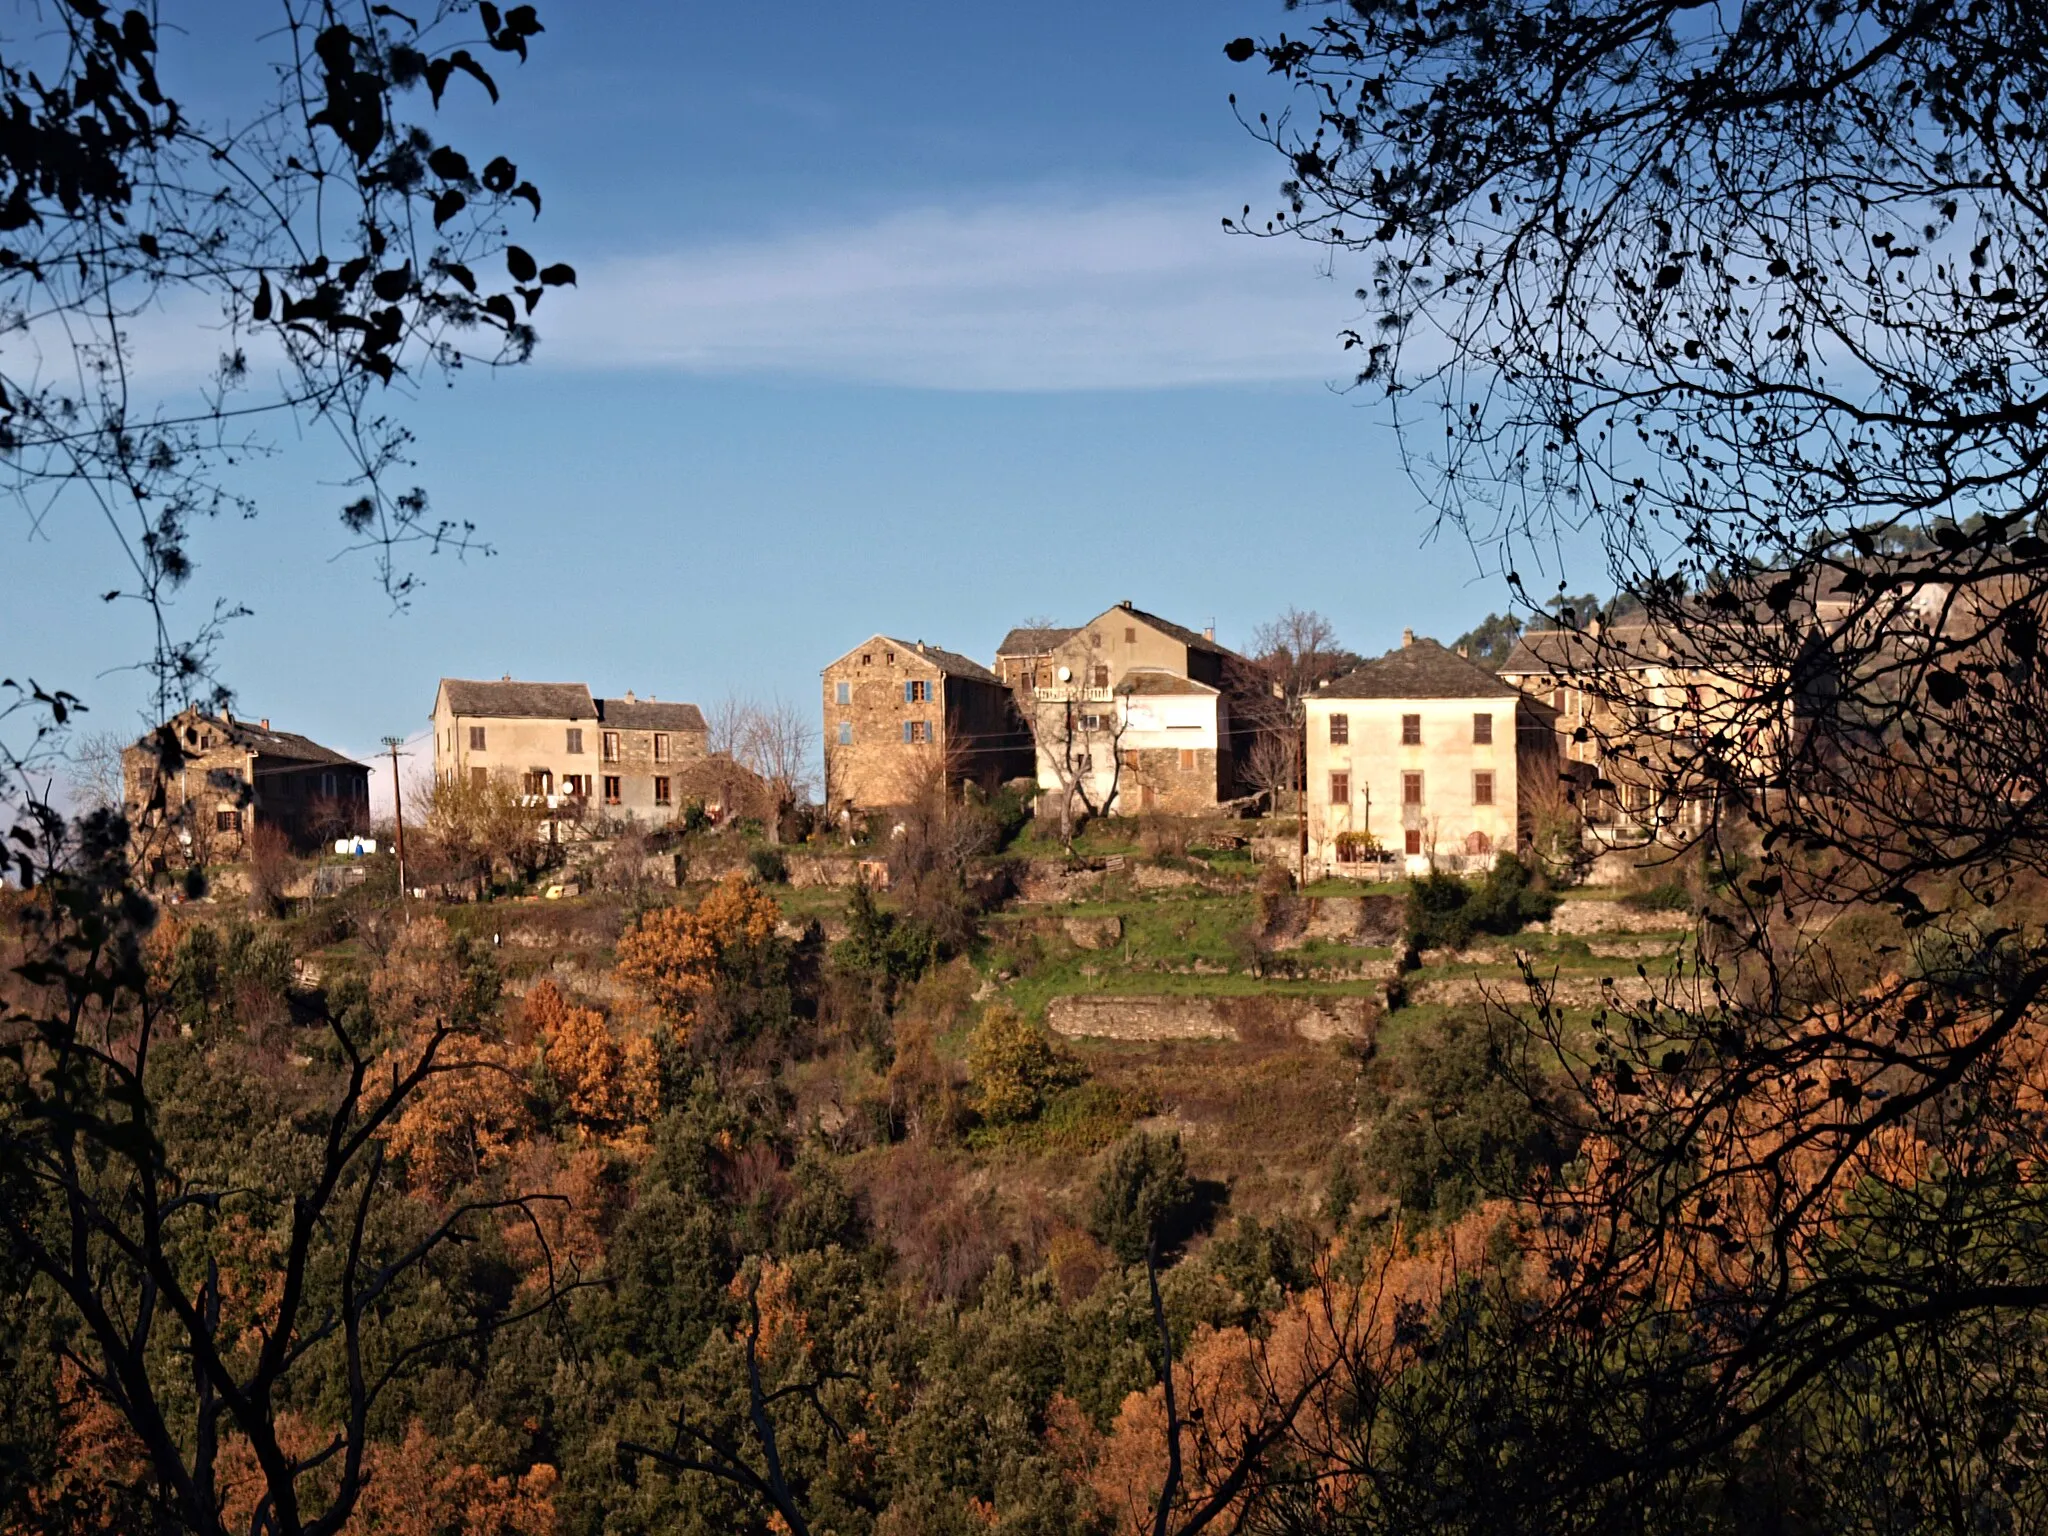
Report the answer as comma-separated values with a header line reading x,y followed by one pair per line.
x,y
1340,786
609,746
1411,786
664,789
573,740
1411,730
478,739
614,789
1340,729
661,746
1483,777
1482,728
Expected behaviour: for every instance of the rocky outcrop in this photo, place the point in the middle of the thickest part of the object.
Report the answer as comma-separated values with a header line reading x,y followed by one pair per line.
x,y
1265,1017
1093,932
1374,921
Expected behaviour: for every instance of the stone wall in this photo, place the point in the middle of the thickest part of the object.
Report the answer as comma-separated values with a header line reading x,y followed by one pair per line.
x,y
1266,1017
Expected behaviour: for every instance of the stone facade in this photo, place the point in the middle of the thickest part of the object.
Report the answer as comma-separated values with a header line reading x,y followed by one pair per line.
x,y
618,758
898,713
195,790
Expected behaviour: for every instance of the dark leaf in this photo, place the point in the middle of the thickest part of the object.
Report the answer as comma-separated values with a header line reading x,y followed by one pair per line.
x,y
531,193
260,310
447,205
558,275
448,164
392,284
1945,688
499,175
1239,49
520,264
501,306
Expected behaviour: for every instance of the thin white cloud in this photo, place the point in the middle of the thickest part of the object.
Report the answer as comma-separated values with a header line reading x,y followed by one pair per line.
x,y
1045,293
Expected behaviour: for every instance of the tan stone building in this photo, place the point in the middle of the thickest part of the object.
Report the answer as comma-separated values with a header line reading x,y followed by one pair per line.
x,y
1131,693
196,789
619,758
1422,759
897,712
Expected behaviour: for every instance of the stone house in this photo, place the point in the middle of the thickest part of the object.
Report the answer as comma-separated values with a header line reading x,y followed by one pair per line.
x,y
1423,759
1025,656
1105,692
898,711
196,789
617,758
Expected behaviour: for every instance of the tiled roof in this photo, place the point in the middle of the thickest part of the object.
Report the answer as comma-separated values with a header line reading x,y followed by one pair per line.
x,y
649,715
1033,642
1421,670
519,701
1193,639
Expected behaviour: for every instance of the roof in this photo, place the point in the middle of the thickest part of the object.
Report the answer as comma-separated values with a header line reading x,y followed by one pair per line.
x,y
1155,680
949,663
506,699
649,715
1033,642
252,736
1421,670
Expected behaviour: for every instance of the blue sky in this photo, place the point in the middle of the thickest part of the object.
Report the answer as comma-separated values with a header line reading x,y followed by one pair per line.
x,y
905,317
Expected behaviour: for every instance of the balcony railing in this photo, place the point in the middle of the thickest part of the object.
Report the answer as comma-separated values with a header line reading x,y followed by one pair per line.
x,y
1072,693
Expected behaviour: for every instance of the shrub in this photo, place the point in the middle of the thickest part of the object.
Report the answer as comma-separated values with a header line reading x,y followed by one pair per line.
x,y
1012,1064
769,866
1671,896
674,955
1141,1196
1453,1124
882,946
1444,912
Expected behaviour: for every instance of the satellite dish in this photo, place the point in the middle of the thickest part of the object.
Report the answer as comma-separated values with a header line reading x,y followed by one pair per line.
x,y
1066,674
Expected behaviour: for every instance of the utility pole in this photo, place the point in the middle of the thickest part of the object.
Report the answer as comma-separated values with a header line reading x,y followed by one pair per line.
x,y
1301,794
393,743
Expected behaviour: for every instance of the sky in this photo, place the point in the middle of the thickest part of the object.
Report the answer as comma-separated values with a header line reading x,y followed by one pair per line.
x,y
905,318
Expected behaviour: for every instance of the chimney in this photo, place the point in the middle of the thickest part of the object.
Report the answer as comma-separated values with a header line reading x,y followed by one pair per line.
x,y
506,678
629,697
1209,630
264,723
1407,638
1126,603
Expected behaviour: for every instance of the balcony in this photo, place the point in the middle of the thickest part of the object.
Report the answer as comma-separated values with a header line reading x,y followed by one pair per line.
x,y
1073,693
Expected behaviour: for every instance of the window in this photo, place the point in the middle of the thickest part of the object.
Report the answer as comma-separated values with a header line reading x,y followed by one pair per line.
x,y
889,657
478,778
327,785
574,744
1411,789
611,746
917,691
661,746
1187,759
867,658
842,693
1479,843
1340,730
916,732
1411,840
1482,730
661,794
227,821
576,785
1083,763
1411,730
1101,676
1482,788
1557,700
846,733
1091,722
1340,789
1130,634
611,789
476,738
539,781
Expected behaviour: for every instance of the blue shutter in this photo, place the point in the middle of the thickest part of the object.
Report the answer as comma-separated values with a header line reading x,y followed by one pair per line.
x,y
906,732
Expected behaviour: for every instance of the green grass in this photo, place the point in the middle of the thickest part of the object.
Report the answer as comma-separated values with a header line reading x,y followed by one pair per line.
x,y
1079,1120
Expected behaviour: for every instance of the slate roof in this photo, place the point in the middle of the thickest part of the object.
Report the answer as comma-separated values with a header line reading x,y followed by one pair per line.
x,y
951,663
288,745
1152,680
1423,670
1034,642
519,701
649,715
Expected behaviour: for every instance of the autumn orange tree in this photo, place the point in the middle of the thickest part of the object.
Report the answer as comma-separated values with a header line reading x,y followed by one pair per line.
x,y
674,956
